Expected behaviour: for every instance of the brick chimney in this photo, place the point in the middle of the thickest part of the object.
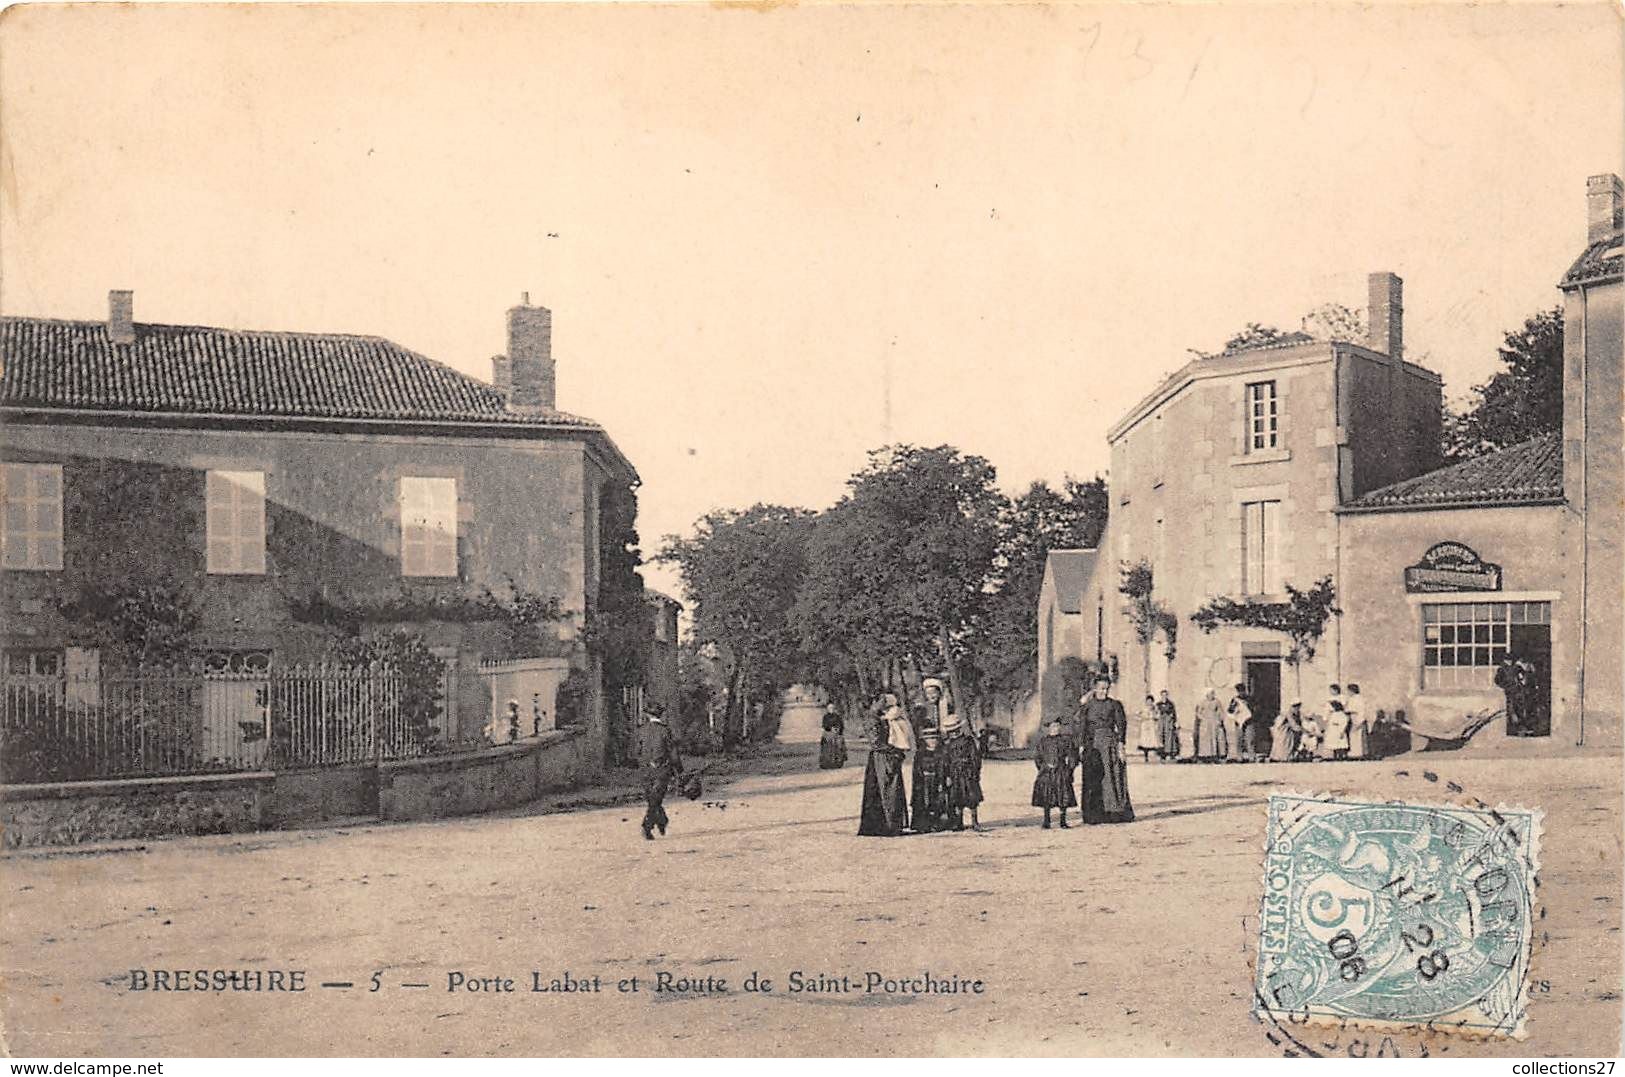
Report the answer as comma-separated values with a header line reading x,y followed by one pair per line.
x,y
530,356
1603,199
502,374
121,317
1386,315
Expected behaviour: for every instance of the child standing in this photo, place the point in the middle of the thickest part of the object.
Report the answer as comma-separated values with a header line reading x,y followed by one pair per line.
x,y
1150,730
930,784
1057,758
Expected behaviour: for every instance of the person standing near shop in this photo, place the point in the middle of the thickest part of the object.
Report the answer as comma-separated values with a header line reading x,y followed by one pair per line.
x,y
1236,717
1209,739
1359,724
1168,726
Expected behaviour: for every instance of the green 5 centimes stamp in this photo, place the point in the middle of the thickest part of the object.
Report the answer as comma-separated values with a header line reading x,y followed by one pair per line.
x,y
1397,915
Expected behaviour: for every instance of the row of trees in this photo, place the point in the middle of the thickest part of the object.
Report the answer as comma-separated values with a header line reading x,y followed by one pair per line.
x,y
923,564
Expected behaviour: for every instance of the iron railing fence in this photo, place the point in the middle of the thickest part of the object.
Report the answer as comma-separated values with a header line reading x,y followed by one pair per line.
x,y
153,723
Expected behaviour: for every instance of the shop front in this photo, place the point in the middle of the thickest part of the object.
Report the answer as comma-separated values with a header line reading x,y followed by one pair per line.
x,y
1463,618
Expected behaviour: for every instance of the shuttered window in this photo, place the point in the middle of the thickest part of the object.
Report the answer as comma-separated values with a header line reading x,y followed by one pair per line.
x,y
235,502
1260,548
428,526
32,537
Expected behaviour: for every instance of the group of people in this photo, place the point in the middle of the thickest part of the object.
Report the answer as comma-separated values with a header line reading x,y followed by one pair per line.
x,y
1342,732
1232,732
947,770
947,773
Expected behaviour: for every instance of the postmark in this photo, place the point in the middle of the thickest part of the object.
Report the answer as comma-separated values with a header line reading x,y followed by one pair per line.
x,y
1397,915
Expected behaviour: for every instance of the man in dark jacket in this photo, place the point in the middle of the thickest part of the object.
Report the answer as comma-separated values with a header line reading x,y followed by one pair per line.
x,y
660,763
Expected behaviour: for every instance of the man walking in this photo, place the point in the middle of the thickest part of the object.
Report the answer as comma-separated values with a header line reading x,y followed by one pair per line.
x,y
660,763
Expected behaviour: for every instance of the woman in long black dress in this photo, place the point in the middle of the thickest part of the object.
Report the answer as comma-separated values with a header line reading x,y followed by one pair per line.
x,y
1105,774
885,807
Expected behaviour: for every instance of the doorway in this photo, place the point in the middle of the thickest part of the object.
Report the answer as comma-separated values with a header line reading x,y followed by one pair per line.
x,y
1532,643
1263,681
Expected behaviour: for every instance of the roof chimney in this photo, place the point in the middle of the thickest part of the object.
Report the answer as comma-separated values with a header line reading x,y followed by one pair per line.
x,y
1602,207
121,317
1386,315
502,374
530,356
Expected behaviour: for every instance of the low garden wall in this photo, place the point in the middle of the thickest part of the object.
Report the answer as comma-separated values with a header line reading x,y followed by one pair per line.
x,y
464,783
69,813
471,782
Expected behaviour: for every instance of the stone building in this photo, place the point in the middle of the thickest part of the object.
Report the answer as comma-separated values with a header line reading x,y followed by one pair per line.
x,y
1512,555
280,480
1225,482
1294,462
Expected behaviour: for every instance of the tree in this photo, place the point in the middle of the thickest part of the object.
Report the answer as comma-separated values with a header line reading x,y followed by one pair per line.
x,y
619,622
1334,321
1254,335
1302,619
741,570
1520,402
902,567
1329,321
1040,520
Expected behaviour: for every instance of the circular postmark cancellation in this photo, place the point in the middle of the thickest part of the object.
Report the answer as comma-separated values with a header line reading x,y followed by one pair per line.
x,y
1397,916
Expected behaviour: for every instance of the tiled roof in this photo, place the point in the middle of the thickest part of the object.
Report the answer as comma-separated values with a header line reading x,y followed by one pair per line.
x,y
1071,570
1529,471
1602,260
196,370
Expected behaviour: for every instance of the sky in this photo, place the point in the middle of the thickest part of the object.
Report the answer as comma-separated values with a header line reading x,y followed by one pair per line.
x,y
749,220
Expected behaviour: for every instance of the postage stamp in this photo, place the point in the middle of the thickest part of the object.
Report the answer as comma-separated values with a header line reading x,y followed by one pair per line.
x,y
1397,915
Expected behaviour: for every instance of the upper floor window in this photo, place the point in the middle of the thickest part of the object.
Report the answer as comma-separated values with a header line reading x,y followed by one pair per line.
x,y
32,536
1263,418
428,526
235,522
1260,548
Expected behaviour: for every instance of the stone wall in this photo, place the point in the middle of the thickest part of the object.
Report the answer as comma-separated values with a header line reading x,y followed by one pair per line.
x,y
471,782
73,813
69,813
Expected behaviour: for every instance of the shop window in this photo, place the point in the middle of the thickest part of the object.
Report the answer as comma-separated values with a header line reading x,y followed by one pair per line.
x,y
1263,416
32,533
1463,643
235,522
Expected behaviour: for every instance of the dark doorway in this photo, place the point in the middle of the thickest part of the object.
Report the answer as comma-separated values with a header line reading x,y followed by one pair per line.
x,y
1263,680
1533,644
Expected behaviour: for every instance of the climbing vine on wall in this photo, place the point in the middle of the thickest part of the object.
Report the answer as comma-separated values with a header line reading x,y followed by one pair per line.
x,y
620,623
1302,618
527,617
1148,616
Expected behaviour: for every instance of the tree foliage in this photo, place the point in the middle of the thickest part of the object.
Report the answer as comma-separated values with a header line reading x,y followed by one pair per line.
x,y
619,622
1521,401
903,566
1039,520
741,570
133,622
